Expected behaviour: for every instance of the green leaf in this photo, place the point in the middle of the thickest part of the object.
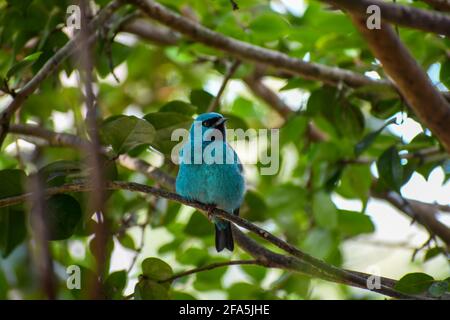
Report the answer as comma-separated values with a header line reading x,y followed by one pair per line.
x,y
127,241
254,208
356,180
177,295
119,54
12,229
324,210
56,173
444,74
349,120
319,243
211,279
150,290
245,291
3,285
414,283
269,26
12,219
12,183
63,215
165,123
201,99
390,169
257,273
178,107
125,133
352,223
115,284
367,141
22,65
433,252
198,226
193,256
156,269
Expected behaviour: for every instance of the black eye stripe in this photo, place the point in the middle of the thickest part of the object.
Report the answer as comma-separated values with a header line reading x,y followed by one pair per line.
x,y
208,123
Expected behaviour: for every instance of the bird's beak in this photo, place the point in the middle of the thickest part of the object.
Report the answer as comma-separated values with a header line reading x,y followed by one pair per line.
x,y
220,122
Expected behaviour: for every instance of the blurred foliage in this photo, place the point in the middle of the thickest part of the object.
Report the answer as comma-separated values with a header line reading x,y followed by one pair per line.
x,y
162,89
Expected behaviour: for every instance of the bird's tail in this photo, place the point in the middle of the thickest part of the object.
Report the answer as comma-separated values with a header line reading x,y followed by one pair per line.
x,y
224,236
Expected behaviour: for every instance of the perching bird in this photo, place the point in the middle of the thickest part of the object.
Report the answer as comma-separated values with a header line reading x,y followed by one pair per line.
x,y
211,173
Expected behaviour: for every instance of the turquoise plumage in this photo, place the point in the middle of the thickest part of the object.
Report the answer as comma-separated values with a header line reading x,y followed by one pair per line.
x,y
210,172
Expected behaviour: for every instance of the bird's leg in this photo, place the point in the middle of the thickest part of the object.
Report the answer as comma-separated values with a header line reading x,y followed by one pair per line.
x,y
211,208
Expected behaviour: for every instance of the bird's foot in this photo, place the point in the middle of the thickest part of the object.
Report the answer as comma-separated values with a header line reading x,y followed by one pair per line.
x,y
210,212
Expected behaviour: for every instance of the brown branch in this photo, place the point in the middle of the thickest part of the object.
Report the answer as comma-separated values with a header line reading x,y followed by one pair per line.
x,y
244,51
412,82
425,20
231,70
443,5
299,261
50,67
95,163
164,36
259,89
423,213
149,171
211,267
151,32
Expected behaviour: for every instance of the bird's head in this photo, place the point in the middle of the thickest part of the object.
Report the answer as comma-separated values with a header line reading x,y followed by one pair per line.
x,y
212,127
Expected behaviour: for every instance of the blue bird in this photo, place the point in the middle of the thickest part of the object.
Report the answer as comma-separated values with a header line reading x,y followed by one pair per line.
x,y
210,172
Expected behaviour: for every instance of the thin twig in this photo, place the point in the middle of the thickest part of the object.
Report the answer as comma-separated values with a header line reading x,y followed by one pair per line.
x,y
231,70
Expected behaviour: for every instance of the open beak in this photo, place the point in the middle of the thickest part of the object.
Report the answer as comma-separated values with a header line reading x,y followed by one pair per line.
x,y
220,122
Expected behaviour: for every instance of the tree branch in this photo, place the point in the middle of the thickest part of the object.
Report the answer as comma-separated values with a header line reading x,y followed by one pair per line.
x,y
151,32
443,5
425,214
163,37
425,20
97,199
299,261
244,51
